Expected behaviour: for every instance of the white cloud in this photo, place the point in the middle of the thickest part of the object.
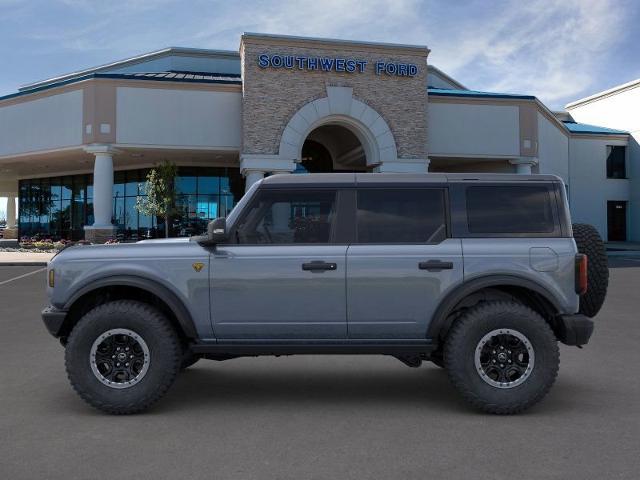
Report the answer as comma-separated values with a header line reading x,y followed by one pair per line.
x,y
557,50
547,48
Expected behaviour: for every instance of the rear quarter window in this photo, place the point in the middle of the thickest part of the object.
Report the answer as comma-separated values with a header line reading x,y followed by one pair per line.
x,y
494,209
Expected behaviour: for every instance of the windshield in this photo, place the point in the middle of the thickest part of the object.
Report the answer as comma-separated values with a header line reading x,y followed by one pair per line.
x,y
233,215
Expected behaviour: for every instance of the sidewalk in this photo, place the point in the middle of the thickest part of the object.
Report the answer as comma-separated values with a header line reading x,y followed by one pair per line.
x,y
623,249
24,258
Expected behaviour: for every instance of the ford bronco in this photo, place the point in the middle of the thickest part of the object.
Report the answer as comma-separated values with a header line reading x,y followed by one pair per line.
x,y
480,274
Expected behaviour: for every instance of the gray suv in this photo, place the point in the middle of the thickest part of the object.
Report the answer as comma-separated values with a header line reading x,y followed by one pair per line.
x,y
479,274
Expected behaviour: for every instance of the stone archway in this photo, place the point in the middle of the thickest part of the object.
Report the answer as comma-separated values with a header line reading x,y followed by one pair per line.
x,y
339,108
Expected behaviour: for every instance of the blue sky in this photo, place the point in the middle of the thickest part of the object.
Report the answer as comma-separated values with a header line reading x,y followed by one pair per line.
x,y
557,50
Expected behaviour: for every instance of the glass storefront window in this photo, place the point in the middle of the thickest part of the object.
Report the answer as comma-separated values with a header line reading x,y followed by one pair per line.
x,y
208,185
118,184
60,207
67,188
187,184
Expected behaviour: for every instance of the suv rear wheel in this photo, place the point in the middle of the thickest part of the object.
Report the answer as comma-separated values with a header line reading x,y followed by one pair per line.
x,y
122,356
502,357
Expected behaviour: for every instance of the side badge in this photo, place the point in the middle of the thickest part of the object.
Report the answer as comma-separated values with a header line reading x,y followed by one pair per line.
x,y
198,266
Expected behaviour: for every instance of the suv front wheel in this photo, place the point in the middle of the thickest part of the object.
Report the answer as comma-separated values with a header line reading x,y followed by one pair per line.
x,y
123,356
502,356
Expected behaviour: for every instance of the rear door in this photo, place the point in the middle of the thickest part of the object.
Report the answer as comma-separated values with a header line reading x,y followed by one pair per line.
x,y
401,263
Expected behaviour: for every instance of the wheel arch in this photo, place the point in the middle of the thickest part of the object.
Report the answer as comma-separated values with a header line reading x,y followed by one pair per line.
x,y
134,288
527,291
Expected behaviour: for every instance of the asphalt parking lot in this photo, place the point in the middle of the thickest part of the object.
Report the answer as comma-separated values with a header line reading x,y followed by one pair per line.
x,y
319,417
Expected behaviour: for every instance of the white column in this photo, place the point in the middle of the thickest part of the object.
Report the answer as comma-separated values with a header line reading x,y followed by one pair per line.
x,y
524,164
103,189
11,211
251,177
102,228
254,166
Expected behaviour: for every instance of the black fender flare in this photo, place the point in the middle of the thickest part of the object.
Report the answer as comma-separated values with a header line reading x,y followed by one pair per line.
x,y
176,305
439,322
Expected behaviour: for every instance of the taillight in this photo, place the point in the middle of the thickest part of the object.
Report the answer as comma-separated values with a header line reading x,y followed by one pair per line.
x,y
581,274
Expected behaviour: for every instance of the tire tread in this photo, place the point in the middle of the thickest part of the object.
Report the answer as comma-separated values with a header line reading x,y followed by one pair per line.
x,y
455,344
589,242
164,328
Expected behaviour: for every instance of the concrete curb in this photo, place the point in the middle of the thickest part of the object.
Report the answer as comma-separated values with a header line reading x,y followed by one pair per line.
x,y
624,253
23,264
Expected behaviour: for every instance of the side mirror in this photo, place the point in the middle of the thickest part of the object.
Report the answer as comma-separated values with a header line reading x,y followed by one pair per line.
x,y
217,230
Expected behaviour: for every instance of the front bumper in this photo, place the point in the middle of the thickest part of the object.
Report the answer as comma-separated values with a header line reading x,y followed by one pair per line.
x,y
574,329
54,320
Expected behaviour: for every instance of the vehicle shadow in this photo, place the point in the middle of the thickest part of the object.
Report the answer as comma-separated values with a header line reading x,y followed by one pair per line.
x,y
213,384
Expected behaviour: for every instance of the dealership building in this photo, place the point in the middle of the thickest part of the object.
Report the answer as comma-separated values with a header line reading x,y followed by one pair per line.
x,y
75,149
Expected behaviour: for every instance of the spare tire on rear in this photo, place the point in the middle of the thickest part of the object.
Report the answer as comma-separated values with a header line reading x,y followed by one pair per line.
x,y
590,243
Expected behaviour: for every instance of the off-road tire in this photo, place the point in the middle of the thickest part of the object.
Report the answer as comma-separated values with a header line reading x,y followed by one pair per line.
x,y
464,337
590,243
165,356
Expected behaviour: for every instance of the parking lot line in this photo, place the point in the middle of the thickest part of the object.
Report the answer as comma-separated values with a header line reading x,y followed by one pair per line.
x,y
22,276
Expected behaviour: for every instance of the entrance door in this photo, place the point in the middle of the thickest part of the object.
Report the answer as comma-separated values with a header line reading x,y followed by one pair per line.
x,y
617,221
401,264
285,276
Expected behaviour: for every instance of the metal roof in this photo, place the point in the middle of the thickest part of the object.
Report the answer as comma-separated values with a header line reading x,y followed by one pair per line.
x,y
187,77
176,75
145,57
575,127
444,92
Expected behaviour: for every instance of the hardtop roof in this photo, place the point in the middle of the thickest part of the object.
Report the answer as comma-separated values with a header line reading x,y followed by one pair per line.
x,y
353,179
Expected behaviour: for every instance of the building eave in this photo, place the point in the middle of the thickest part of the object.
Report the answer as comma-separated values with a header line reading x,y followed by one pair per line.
x,y
603,94
114,76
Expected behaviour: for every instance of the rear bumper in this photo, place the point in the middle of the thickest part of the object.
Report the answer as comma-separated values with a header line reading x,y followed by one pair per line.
x,y
574,329
54,320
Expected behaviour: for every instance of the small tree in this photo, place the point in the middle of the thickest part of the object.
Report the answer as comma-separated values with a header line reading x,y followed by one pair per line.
x,y
160,193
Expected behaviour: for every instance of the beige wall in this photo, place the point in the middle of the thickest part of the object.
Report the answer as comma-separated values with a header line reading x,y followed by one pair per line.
x,y
169,117
272,96
49,122
553,148
473,129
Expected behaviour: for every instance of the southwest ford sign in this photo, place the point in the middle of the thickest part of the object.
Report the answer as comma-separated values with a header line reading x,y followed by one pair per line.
x,y
331,64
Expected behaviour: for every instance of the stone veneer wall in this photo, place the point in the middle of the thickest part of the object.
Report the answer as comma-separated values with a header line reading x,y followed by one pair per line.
x,y
271,96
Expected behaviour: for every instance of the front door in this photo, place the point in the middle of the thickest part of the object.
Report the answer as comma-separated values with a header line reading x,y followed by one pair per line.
x,y
401,264
284,276
617,221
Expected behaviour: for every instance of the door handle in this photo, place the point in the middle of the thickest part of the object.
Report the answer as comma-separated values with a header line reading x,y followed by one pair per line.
x,y
319,266
435,265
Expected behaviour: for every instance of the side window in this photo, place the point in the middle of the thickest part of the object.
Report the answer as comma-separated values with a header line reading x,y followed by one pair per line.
x,y
289,217
616,161
415,215
509,209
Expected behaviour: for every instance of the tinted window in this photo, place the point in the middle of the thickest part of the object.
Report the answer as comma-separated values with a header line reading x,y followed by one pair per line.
x,y
502,209
285,217
616,162
401,215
